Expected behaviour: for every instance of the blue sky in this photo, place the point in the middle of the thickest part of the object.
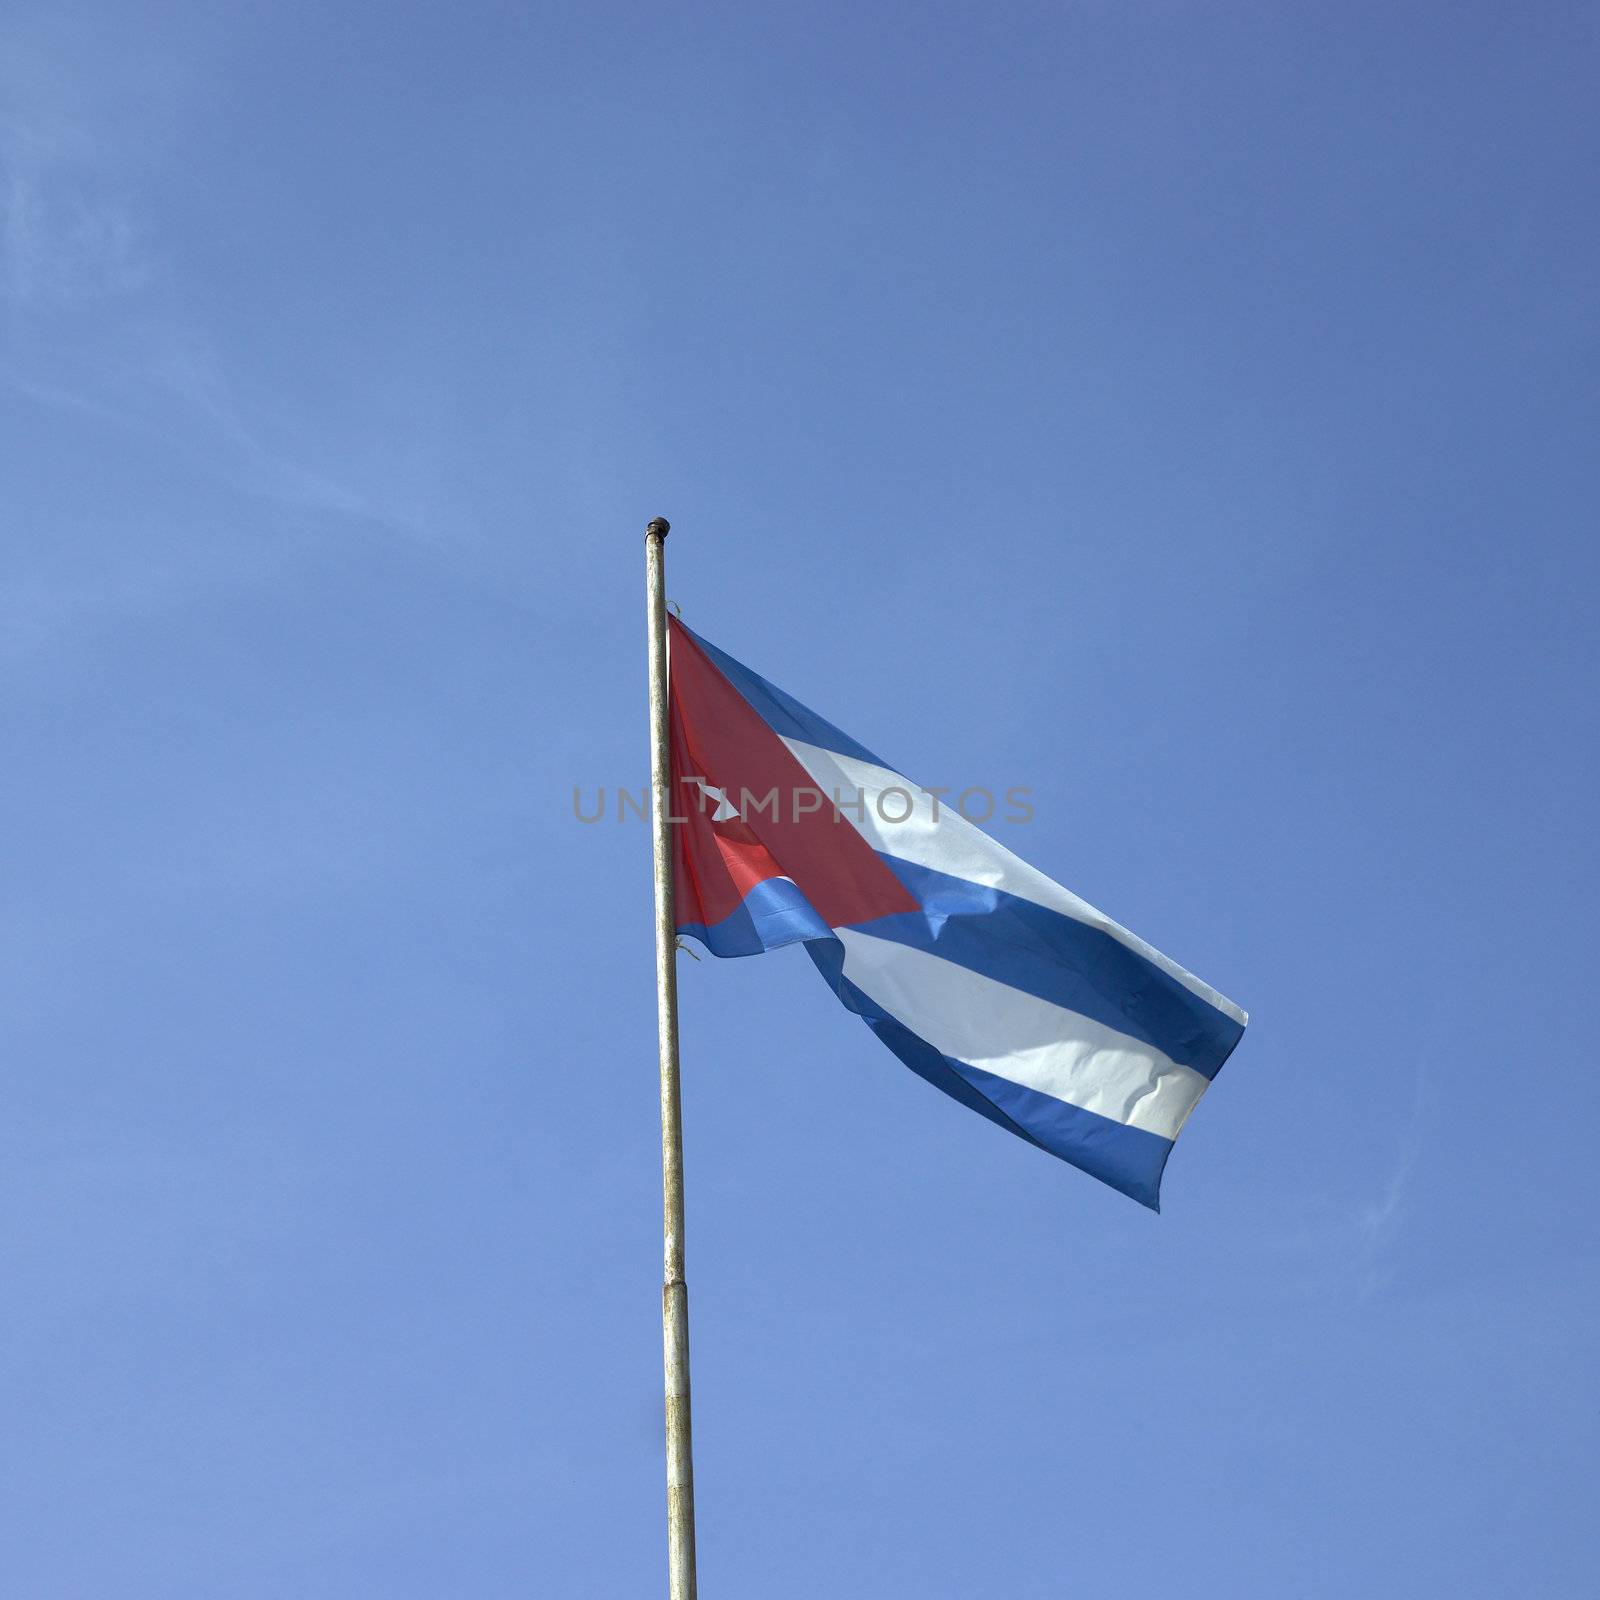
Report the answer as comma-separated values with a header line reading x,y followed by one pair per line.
x,y
1185,411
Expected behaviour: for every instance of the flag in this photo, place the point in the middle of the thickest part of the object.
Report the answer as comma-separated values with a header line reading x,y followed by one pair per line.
x,y
981,974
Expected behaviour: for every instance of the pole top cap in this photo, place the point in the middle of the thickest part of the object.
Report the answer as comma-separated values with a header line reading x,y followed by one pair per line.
x,y
657,528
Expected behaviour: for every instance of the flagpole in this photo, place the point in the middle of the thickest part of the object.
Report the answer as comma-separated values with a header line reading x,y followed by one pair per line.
x,y
674,1291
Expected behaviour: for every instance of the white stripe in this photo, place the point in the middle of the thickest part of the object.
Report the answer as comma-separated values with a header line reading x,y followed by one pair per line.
x,y
953,845
990,1025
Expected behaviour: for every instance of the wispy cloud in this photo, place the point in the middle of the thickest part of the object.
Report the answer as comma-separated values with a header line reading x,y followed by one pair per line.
x,y
1376,1225
94,317
1347,1246
66,238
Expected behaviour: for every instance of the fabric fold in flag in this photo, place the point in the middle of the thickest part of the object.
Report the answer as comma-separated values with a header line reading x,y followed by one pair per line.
x,y
984,976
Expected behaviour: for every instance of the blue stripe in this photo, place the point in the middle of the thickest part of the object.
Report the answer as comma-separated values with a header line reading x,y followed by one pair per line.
x,y
773,914
1129,1159
1057,958
781,712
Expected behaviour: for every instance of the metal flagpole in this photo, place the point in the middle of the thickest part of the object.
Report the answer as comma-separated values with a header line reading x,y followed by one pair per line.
x,y
674,1291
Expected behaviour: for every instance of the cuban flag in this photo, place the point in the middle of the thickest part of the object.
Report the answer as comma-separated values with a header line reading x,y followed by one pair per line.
x,y
981,974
